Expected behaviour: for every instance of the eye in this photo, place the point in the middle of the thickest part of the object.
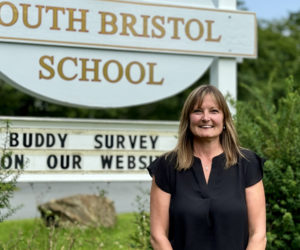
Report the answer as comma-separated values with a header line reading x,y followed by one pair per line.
x,y
215,111
197,110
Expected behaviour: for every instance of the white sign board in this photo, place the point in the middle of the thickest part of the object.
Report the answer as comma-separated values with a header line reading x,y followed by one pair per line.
x,y
100,53
83,149
121,79
126,25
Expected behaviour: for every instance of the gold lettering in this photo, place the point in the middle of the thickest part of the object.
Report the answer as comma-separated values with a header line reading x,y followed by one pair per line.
x,y
72,19
61,65
128,74
145,26
188,30
128,21
25,15
105,71
175,21
15,14
105,22
209,32
46,67
55,11
151,75
113,71
84,69
158,26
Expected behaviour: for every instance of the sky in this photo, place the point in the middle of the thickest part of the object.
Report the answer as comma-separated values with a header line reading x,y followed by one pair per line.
x,y
272,9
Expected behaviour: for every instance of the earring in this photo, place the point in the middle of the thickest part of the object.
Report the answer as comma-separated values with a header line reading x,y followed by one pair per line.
x,y
224,127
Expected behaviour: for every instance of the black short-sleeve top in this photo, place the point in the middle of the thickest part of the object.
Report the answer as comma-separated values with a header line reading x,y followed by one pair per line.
x,y
213,215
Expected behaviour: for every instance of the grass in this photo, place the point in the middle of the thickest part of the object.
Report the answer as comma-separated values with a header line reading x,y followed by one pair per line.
x,y
33,234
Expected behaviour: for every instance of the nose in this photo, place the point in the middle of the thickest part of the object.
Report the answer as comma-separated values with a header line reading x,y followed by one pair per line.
x,y
205,116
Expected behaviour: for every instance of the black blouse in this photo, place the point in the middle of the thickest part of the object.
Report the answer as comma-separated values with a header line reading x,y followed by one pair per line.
x,y
213,215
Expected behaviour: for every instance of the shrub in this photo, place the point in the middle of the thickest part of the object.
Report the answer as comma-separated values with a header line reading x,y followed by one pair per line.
x,y
272,129
8,178
140,238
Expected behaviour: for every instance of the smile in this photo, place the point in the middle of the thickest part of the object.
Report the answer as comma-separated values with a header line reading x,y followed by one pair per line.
x,y
206,126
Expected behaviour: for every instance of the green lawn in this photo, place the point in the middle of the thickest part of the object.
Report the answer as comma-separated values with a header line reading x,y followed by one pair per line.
x,y
33,234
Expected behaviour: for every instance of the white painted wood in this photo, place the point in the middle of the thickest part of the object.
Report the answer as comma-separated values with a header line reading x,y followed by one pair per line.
x,y
78,66
226,4
194,3
223,72
223,75
169,75
196,31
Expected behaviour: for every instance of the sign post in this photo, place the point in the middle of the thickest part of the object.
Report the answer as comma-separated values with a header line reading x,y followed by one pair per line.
x,y
223,71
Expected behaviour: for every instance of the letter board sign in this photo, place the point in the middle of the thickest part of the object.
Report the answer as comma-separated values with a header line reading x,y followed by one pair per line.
x,y
83,149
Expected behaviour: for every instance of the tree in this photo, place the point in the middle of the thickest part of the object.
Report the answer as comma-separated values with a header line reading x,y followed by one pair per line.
x,y
278,57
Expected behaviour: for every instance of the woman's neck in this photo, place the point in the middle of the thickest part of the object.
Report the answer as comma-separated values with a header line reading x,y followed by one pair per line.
x,y
206,148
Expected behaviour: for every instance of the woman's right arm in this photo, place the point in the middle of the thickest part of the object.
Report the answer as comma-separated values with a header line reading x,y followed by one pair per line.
x,y
159,218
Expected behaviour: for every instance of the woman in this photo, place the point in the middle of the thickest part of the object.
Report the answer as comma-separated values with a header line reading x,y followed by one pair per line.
x,y
208,192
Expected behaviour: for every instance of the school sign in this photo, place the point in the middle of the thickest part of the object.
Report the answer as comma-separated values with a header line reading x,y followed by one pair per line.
x,y
116,53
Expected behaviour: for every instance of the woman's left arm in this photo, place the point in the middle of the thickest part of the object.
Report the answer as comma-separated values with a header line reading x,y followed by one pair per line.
x,y
256,206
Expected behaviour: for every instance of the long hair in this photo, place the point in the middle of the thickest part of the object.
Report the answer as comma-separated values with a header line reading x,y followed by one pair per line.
x,y
228,138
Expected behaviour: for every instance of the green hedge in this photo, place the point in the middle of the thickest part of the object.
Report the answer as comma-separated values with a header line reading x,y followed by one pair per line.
x,y
272,128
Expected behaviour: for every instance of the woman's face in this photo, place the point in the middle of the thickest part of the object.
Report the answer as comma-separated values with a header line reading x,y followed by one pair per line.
x,y
206,122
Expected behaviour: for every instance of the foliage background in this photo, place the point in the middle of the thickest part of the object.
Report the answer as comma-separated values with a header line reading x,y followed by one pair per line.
x,y
268,119
272,129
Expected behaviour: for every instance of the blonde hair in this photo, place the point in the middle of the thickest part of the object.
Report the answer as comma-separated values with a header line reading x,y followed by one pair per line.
x,y
228,138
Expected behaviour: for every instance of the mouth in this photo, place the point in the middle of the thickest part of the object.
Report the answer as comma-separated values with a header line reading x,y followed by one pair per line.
x,y
206,126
